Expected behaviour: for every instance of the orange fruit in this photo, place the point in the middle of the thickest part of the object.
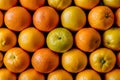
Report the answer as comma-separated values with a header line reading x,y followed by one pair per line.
x,y
1,59
87,39
118,59
113,75
45,18
8,39
44,60
30,39
59,4
88,74
102,60
101,17
17,18
112,3
5,74
59,74
16,60
86,4
1,18
117,17
7,4
31,74
32,4
74,60
73,18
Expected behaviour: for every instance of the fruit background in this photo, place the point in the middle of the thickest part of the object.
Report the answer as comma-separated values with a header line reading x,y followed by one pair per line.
x,y
24,30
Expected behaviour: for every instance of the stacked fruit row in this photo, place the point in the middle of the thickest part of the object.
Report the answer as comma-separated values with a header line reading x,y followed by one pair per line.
x,y
59,40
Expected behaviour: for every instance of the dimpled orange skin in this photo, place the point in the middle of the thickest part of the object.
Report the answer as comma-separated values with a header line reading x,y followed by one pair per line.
x,y
45,18
32,4
17,18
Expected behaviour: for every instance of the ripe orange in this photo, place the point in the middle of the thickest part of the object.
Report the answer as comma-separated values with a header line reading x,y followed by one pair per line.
x,y
87,39
101,17
31,74
45,18
5,74
117,17
88,74
59,74
74,60
102,60
8,39
1,18
86,4
32,4
113,75
16,60
30,39
17,18
1,59
7,4
44,60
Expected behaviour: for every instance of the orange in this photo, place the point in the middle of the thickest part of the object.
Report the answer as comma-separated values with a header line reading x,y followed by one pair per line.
x,y
32,4
1,18
59,74
117,17
5,74
87,39
118,59
16,60
113,75
7,4
101,17
45,18
30,39
88,74
102,60
31,74
17,18
74,60
86,4
8,39
44,60
1,59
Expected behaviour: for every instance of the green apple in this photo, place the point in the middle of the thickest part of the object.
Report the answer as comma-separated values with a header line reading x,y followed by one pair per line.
x,y
112,3
111,38
59,40
102,60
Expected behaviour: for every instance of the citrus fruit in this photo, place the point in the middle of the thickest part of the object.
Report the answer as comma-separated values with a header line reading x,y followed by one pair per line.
x,y
112,3
118,59
73,18
87,39
32,4
101,17
1,59
59,40
8,39
7,4
1,18
102,60
113,75
88,74
86,4
59,4
74,60
17,18
44,60
45,18
59,74
5,74
117,17
31,74
31,39
16,60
